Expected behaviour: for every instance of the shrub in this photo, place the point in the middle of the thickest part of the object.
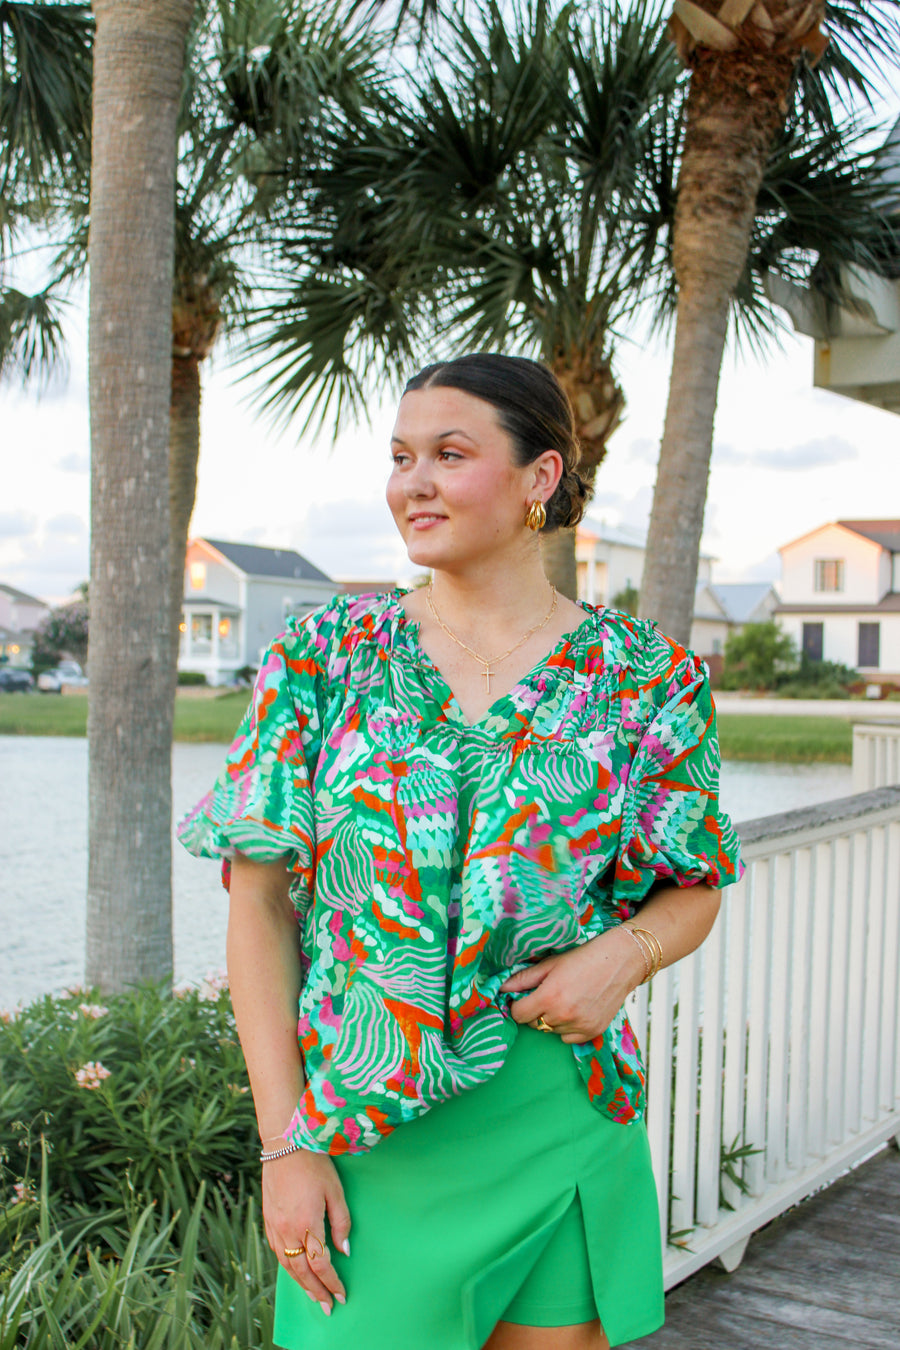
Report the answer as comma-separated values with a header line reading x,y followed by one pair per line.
x,y
817,679
627,599
756,657
191,677
146,1094
129,1207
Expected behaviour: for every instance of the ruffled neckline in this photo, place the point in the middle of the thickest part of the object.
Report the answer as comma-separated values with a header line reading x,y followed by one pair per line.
x,y
561,662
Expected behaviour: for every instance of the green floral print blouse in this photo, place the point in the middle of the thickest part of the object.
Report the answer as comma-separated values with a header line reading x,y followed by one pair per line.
x,y
431,858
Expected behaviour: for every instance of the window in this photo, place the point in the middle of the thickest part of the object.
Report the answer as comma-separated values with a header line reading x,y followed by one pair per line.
x,y
197,572
201,633
868,645
829,574
813,640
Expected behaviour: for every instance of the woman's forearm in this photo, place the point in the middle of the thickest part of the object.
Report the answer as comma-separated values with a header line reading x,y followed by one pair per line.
x,y
680,918
264,977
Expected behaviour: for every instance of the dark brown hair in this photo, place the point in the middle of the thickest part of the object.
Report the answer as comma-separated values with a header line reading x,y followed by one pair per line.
x,y
533,410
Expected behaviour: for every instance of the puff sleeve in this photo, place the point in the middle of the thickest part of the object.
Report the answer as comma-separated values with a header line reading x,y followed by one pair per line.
x,y
261,804
673,831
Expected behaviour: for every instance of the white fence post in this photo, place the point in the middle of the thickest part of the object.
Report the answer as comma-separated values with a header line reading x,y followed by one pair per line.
x,y
876,755
786,1037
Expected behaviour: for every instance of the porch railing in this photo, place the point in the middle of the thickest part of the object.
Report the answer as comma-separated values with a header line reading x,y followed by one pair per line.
x,y
876,755
780,1035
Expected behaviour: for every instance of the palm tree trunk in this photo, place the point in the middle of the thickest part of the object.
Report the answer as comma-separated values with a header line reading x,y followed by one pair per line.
x,y
184,452
138,65
735,106
585,372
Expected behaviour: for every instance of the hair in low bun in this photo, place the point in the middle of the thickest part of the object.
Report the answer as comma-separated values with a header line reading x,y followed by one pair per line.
x,y
534,411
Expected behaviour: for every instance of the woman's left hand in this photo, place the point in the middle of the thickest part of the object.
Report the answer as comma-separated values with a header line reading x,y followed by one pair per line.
x,y
579,992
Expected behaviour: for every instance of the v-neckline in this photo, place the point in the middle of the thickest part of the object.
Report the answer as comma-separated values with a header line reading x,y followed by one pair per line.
x,y
451,702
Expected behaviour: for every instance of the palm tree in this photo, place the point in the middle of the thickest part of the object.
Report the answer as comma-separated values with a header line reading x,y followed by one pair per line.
x,y
751,63
261,81
527,202
516,204
138,70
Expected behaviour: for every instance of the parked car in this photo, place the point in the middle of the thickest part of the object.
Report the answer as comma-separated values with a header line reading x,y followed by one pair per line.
x,y
14,681
66,673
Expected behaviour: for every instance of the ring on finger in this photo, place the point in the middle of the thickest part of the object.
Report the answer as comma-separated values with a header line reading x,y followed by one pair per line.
x,y
543,1025
308,1238
291,1252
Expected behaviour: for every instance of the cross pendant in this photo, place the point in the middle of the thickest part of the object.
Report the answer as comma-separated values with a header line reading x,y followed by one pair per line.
x,y
487,679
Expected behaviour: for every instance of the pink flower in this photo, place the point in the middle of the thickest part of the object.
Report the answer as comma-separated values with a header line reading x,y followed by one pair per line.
x,y
23,1191
93,1010
92,1074
212,985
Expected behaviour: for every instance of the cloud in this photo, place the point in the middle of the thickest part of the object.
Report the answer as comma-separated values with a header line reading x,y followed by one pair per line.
x,y
819,453
16,524
67,525
73,462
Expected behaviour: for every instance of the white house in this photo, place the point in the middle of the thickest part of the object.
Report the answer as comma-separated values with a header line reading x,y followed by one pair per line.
x,y
20,615
236,599
611,560
841,595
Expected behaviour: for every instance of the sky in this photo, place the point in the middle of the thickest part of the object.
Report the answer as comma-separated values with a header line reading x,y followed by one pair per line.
x,y
787,458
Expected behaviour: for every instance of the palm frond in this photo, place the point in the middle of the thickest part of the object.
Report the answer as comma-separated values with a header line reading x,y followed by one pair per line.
x,y
45,92
864,46
31,334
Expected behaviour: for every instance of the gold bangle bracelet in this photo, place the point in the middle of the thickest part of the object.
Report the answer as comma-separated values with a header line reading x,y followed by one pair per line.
x,y
655,947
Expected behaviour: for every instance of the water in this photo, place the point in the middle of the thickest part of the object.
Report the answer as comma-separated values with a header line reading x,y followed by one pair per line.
x,y
43,854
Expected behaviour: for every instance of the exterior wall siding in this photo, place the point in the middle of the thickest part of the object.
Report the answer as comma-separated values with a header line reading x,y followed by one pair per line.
x,y
865,579
841,636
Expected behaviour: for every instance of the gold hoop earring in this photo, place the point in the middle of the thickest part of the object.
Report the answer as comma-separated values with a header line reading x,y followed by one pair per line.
x,y
536,517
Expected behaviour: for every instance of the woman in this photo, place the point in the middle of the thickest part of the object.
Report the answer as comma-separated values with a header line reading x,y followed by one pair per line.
x,y
443,812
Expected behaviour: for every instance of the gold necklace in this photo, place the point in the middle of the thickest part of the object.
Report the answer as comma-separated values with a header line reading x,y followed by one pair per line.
x,y
494,660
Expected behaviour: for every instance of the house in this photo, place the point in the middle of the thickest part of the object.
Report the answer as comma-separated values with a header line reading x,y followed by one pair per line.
x,y
841,595
20,615
610,561
857,337
236,600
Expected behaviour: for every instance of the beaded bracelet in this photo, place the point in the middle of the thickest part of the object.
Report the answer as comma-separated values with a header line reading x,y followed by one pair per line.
x,y
266,1156
648,964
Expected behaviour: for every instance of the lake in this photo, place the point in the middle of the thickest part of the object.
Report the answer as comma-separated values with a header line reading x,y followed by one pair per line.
x,y
43,854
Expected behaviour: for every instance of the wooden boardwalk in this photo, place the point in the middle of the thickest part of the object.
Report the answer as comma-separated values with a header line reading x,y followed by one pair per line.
x,y
824,1276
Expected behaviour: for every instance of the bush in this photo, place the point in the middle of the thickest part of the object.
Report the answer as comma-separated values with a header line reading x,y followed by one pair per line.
x,y
817,679
129,1208
627,599
191,677
756,657
141,1097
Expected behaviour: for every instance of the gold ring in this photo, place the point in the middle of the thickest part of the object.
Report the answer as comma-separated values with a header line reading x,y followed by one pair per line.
x,y
294,1251
543,1025
311,1237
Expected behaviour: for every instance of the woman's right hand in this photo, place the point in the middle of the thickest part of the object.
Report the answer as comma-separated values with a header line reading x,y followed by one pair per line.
x,y
298,1190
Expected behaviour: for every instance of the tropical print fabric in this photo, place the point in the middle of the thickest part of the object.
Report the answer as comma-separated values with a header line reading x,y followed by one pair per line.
x,y
432,858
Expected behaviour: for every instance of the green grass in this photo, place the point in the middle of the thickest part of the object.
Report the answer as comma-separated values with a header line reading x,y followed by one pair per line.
x,y
786,740
196,719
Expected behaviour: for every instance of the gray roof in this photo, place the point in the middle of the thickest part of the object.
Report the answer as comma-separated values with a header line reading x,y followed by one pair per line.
x,y
268,562
883,532
740,598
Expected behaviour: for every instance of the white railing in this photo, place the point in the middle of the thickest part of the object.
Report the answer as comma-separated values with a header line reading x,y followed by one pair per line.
x,y
876,755
781,1033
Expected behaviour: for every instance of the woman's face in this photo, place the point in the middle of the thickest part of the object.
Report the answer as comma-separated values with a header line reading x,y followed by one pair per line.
x,y
455,492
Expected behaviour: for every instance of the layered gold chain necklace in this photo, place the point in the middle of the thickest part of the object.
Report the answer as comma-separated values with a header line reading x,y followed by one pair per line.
x,y
494,660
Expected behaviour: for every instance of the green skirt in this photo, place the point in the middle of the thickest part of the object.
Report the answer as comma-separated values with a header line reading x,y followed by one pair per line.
x,y
516,1201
